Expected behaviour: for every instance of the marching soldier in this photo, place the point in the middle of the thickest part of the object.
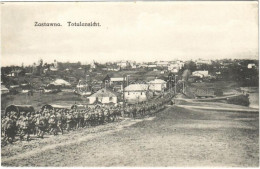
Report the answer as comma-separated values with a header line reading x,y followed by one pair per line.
x,y
134,112
107,115
53,125
87,119
24,127
69,121
41,125
10,129
59,122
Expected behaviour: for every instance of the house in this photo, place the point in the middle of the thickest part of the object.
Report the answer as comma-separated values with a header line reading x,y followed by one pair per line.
x,y
162,64
26,88
15,73
123,64
201,73
104,96
158,85
174,68
60,82
116,80
251,65
135,93
152,66
4,90
93,65
203,61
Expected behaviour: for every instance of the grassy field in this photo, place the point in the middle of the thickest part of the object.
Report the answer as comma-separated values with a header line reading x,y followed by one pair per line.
x,y
226,86
174,137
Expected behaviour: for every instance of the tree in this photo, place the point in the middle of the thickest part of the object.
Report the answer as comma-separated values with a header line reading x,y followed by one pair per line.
x,y
190,65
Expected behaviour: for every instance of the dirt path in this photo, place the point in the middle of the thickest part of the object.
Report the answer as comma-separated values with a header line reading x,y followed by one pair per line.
x,y
220,108
175,137
23,150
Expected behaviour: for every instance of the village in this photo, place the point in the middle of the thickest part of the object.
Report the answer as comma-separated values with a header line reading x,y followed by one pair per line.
x,y
77,100
122,81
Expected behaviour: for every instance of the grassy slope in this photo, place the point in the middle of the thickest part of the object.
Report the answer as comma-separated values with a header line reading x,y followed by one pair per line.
x,y
176,137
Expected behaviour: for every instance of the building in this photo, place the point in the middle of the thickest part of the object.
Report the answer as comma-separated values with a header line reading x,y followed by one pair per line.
x,y
174,68
4,90
104,96
251,65
61,82
162,64
135,93
157,85
201,73
203,61
15,73
123,64
116,80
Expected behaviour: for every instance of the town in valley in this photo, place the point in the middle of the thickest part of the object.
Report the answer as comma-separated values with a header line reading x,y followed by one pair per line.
x,y
45,105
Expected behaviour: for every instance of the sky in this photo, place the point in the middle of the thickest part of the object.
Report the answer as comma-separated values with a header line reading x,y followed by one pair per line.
x,y
139,31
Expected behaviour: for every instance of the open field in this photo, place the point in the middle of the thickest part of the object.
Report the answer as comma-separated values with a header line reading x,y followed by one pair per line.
x,y
174,137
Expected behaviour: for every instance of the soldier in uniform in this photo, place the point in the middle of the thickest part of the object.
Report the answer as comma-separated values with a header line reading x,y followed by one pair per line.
x,y
101,116
134,110
33,123
59,122
87,119
96,115
53,125
81,118
24,127
112,114
69,121
41,124
10,129
107,115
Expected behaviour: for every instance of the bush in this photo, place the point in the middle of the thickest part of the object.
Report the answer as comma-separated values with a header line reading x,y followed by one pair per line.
x,y
242,100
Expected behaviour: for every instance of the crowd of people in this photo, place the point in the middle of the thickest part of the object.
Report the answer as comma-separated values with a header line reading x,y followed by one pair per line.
x,y
57,120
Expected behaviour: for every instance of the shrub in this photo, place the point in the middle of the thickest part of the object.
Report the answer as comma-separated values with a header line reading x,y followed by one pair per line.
x,y
242,100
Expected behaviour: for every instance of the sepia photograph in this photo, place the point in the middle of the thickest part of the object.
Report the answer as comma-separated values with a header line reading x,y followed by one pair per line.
x,y
130,84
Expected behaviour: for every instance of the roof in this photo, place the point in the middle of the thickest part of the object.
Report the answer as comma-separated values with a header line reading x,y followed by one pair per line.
x,y
117,79
136,87
157,81
104,93
3,88
60,82
100,77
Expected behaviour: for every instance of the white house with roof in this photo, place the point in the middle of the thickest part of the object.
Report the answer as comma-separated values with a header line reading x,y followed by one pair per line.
x,y
201,73
116,80
60,82
136,93
4,90
251,65
173,68
104,96
162,63
157,85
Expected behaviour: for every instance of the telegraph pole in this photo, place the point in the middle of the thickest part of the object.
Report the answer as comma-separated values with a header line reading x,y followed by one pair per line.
x,y
123,112
175,90
183,88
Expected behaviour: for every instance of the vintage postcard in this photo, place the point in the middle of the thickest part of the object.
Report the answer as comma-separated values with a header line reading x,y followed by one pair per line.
x,y
130,84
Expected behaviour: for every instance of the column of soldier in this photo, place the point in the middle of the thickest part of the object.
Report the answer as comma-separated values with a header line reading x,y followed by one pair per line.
x,y
57,121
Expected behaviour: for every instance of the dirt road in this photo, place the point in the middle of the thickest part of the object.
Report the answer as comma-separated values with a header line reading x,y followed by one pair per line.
x,y
174,137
